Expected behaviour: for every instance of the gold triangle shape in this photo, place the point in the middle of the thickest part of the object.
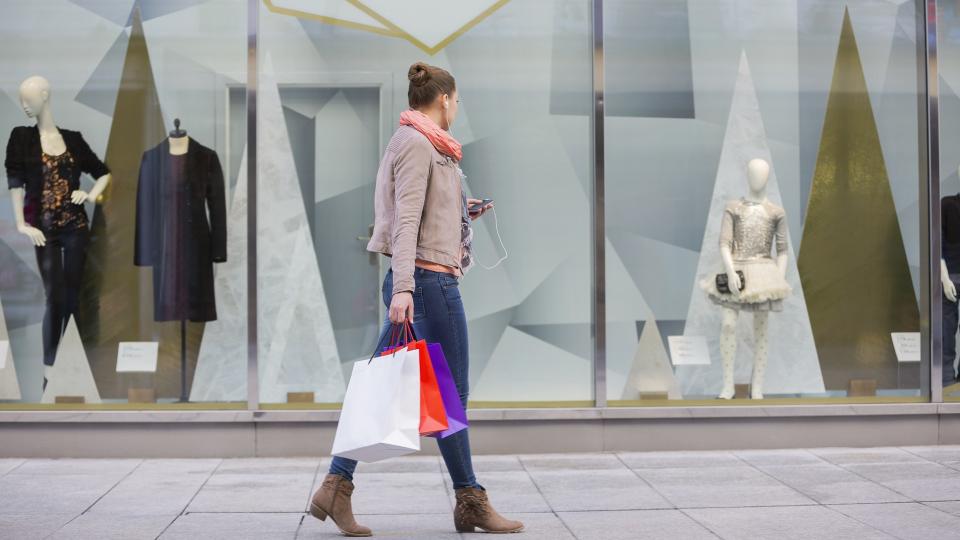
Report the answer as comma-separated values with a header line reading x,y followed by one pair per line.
x,y
116,302
852,262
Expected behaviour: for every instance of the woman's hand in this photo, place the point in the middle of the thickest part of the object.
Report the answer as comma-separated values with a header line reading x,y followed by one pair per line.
x,y
475,215
79,197
401,308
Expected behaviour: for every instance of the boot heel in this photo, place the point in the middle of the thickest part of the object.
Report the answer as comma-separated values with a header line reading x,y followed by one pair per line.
x,y
317,512
466,528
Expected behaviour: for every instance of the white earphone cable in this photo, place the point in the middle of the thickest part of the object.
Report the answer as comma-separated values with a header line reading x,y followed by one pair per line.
x,y
496,225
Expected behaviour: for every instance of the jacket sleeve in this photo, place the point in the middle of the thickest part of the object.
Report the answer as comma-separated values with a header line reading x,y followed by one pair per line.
x,y
411,172
216,203
89,162
14,161
145,239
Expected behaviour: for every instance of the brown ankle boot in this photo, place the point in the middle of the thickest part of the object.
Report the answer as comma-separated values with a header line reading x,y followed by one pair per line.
x,y
474,511
333,499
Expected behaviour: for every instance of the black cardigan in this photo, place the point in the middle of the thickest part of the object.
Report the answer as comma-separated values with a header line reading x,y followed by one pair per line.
x,y
25,166
181,243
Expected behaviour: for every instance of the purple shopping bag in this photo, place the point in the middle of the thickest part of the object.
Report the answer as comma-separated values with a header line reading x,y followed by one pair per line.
x,y
456,416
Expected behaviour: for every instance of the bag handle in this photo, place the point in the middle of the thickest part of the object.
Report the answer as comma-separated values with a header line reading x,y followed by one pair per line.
x,y
397,331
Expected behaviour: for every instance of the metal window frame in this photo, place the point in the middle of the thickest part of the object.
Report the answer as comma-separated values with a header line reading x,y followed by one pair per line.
x,y
931,299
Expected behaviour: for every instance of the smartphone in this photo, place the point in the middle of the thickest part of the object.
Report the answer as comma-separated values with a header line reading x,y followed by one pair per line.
x,y
479,206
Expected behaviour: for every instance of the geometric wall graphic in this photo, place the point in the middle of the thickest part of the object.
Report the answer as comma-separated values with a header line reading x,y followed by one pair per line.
x,y
430,25
116,301
541,372
335,12
221,373
852,261
792,357
120,12
71,375
297,351
651,371
9,386
647,63
100,90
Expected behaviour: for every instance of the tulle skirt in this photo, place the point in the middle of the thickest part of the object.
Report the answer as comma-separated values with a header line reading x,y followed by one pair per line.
x,y
765,288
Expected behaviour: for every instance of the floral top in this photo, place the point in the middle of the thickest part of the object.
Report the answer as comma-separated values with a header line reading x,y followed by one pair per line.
x,y
466,228
57,211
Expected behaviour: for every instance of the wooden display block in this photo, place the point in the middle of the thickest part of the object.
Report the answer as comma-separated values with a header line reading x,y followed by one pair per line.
x,y
862,388
69,399
300,397
741,391
141,395
654,396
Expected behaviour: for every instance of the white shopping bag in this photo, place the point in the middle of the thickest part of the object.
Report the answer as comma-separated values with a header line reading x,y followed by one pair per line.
x,y
380,418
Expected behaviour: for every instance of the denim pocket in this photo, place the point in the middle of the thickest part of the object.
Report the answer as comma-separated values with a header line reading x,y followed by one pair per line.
x,y
419,306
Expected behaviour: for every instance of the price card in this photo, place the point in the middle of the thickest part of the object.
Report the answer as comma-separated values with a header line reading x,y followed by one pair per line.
x,y
907,346
689,350
137,356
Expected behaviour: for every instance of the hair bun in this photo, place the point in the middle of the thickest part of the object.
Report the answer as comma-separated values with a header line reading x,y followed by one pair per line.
x,y
419,74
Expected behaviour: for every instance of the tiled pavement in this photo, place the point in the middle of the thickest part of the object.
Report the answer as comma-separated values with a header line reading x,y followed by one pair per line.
x,y
906,493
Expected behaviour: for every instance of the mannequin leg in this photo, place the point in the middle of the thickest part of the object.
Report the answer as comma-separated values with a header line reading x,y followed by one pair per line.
x,y
760,319
728,350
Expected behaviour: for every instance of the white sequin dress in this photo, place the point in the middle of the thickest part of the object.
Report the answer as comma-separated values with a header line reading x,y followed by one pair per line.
x,y
750,229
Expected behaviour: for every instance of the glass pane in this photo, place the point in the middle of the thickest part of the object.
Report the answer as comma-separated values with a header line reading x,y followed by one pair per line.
x,y
948,25
331,95
823,227
95,314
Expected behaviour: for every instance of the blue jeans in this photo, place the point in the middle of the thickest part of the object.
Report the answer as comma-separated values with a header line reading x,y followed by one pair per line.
x,y
438,318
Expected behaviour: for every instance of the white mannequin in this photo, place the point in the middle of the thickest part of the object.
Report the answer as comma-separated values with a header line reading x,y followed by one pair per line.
x,y
758,174
179,145
35,100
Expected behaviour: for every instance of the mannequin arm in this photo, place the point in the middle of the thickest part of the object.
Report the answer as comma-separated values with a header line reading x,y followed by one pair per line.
x,y
35,235
782,264
80,196
949,289
732,276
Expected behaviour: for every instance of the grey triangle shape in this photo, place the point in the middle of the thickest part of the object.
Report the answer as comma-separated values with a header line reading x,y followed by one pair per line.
x,y
100,90
71,374
152,10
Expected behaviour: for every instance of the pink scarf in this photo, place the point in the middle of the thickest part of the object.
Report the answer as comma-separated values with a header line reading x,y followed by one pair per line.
x,y
440,138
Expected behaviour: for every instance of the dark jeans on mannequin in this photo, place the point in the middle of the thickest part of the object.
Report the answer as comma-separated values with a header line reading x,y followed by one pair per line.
x,y
438,318
61,263
951,319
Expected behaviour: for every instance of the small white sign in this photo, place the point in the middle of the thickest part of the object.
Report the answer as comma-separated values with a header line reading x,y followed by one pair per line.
x,y
4,352
137,356
689,350
907,346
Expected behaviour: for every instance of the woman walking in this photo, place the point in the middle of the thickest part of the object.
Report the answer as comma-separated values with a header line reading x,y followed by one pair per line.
x,y
422,221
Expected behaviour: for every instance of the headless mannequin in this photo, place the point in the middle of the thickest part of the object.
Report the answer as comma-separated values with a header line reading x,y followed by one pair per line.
x,y
35,100
758,173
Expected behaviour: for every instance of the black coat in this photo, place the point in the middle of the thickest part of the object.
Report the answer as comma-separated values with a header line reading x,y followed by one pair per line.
x,y
173,233
25,167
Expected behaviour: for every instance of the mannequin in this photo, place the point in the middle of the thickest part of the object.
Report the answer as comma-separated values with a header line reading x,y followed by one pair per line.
x,y
751,226
44,164
949,278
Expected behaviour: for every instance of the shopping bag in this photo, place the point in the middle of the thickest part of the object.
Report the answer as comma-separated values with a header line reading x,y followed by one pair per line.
x,y
380,418
433,416
456,416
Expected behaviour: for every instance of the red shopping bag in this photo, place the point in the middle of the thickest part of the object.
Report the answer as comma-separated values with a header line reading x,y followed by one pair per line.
x,y
433,414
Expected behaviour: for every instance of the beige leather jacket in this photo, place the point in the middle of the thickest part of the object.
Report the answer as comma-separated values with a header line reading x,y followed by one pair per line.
x,y
417,206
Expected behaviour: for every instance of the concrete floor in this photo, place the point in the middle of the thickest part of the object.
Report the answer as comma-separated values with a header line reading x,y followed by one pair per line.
x,y
905,493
